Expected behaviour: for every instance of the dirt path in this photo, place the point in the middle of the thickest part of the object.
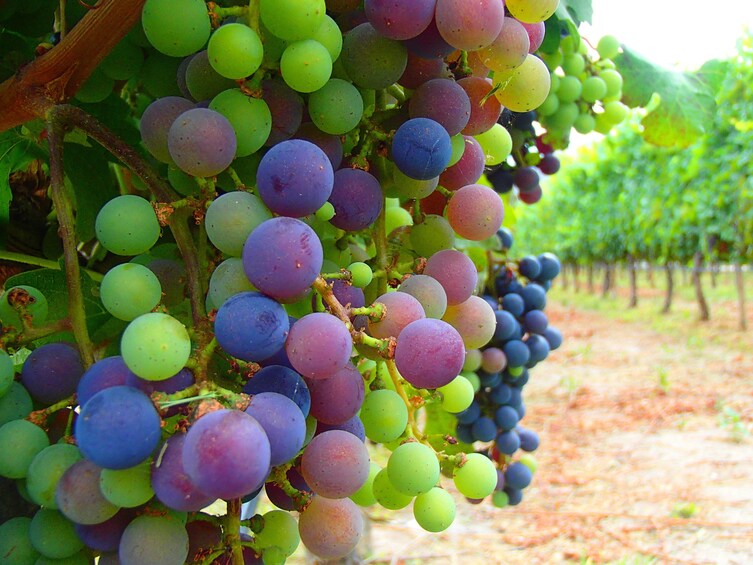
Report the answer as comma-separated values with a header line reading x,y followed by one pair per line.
x,y
631,441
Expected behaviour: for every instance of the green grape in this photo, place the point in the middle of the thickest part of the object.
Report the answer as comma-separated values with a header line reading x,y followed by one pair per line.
x,y
231,218
432,235
386,494
405,187
496,143
384,416
472,361
615,112
555,82
280,530
127,488
7,372
45,472
20,442
326,212
477,477
364,496
570,89
395,218
235,51
573,64
552,60
613,80
565,116
96,88
273,556
124,61
250,118
568,45
550,105
515,371
458,148
15,545
457,395
525,87
155,346
53,535
603,126
273,46
413,468
337,107
311,422
594,88
474,379
25,299
529,461
158,75
361,274
434,510
228,279
130,290
500,499
15,403
127,225
292,20
330,36
83,557
183,183
176,27
584,123
306,65
608,47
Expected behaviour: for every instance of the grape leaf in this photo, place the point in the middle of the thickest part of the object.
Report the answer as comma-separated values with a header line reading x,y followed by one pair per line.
x,y
439,422
15,50
578,11
686,106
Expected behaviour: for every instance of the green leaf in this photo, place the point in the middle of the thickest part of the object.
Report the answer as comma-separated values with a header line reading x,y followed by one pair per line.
x,y
713,73
115,113
687,102
89,173
15,50
439,423
578,10
16,152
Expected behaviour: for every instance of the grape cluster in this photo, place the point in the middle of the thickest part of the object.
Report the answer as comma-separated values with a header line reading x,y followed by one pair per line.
x,y
332,158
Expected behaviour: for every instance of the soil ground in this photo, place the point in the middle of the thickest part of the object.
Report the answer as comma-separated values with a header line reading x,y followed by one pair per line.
x,y
645,457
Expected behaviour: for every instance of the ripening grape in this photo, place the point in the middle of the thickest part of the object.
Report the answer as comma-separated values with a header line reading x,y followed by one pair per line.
x,y
331,529
230,219
79,497
429,353
335,464
155,346
399,20
45,471
455,272
386,58
283,422
130,290
154,539
20,442
400,309
475,212
127,225
469,24
525,87
531,11
202,142
51,372
318,345
337,107
431,236
336,399
156,121
357,199
509,49
443,101
429,293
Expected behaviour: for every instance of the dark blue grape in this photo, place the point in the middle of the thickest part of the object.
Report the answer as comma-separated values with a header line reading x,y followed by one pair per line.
x,y
514,496
353,426
463,433
282,380
516,397
429,44
484,429
506,325
106,535
118,428
251,326
529,267
500,394
491,301
518,476
107,372
421,148
505,238
506,417
508,442
521,410
182,379
529,440
283,422
517,353
553,337
489,379
534,297
470,414
535,322
357,199
526,178
52,372
501,179
514,304
295,178
519,381
538,347
550,266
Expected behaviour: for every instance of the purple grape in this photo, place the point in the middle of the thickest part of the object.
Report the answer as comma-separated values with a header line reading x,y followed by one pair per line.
x,y
226,454
78,496
484,429
419,70
538,348
549,164
485,109
282,257
282,380
295,178
455,272
331,529
336,399
518,476
330,144
202,142
251,326
526,178
469,24
357,199
106,535
156,121
429,44
468,169
52,372
531,196
429,353
353,426
105,373
443,101
118,428
182,379
286,107
171,484
283,422
421,148
335,464
534,296
401,309
319,345
399,20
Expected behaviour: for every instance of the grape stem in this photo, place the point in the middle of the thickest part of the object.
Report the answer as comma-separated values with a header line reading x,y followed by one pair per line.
x,y
343,275
30,333
39,417
40,262
375,312
397,382
301,499
56,128
233,530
